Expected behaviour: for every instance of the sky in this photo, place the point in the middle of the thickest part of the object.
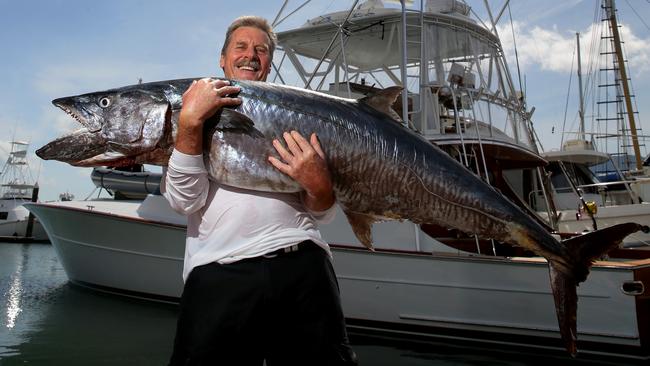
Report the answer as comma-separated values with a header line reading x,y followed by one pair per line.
x,y
56,48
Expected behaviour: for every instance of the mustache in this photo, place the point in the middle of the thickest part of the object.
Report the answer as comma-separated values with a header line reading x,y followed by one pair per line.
x,y
250,63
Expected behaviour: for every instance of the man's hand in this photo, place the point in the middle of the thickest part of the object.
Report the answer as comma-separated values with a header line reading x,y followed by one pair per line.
x,y
200,102
305,163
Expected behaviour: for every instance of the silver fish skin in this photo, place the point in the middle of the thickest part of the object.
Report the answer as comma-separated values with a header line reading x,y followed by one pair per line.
x,y
380,170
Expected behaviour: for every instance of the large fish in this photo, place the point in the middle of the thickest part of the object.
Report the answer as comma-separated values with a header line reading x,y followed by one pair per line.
x,y
380,169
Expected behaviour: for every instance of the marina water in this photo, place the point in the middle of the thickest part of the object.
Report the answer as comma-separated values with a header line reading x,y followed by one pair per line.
x,y
45,320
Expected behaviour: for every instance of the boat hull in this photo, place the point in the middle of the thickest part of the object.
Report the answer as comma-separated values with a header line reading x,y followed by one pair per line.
x,y
14,218
94,249
483,300
408,294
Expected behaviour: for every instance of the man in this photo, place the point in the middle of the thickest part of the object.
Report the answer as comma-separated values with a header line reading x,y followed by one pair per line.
x,y
259,284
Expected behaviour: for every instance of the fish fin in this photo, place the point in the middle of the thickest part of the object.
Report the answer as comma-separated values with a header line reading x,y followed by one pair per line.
x,y
383,101
588,247
566,306
362,227
565,277
233,121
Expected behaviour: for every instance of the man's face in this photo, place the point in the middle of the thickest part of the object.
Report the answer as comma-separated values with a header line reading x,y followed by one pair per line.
x,y
248,56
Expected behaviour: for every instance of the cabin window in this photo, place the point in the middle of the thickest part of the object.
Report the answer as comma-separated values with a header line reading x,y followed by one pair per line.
x,y
580,175
4,215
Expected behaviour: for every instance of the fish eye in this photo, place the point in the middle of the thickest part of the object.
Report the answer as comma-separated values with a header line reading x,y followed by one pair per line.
x,y
104,102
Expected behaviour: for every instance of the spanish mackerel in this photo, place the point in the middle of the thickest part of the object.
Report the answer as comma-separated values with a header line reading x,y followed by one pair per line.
x,y
380,169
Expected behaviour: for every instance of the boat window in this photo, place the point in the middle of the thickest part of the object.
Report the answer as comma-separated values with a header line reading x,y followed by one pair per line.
x,y
581,175
4,215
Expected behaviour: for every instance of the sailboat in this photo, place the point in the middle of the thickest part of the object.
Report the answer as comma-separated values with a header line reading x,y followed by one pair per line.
x,y
16,188
584,201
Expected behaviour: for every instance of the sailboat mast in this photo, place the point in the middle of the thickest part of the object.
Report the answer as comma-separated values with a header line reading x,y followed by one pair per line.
x,y
613,23
582,101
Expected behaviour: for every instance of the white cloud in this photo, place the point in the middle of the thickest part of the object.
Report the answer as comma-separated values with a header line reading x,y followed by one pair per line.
x,y
552,50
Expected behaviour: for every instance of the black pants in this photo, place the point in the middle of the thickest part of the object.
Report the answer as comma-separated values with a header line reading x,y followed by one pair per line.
x,y
285,310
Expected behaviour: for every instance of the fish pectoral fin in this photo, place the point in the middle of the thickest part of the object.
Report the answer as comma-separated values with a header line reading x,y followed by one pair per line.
x,y
362,227
383,101
232,121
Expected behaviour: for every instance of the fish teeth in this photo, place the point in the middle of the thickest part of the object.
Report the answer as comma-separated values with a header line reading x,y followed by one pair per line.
x,y
70,113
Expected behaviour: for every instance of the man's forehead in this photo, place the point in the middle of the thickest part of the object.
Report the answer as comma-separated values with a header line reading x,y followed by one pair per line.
x,y
250,34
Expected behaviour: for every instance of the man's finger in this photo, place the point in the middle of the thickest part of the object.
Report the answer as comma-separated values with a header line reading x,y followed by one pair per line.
x,y
284,168
316,145
284,154
227,90
220,83
291,144
230,101
301,141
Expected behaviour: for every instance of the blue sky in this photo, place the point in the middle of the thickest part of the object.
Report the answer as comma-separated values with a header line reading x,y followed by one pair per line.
x,y
55,48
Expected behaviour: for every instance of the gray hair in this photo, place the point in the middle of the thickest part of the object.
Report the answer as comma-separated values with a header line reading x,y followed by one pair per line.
x,y
251,21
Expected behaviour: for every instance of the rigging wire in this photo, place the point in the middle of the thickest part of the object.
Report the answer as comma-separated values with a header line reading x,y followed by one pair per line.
x,y
637,14
566,105
514,42
591,84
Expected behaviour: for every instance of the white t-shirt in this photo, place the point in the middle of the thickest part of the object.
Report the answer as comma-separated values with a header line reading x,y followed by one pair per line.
x,y
227,224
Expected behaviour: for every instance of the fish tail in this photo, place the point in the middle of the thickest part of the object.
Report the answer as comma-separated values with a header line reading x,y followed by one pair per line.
x,y
565,275
565,295
584,249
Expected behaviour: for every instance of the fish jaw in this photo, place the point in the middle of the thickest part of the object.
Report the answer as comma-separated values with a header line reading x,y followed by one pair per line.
x,y
120,127
73,148
83,109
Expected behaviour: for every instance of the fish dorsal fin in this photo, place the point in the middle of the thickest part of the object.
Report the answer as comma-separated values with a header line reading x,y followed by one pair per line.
x,y
362,226
383,101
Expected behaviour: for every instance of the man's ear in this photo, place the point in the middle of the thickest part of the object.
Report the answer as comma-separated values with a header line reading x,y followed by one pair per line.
x,y
222,62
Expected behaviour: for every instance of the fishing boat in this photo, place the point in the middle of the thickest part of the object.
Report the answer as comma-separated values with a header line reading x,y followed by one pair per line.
x,y
584,203
17,188
422,282
594,185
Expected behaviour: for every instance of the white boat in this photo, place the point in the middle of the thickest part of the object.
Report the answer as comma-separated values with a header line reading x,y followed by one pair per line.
x,y
16,188
584,203
136,248
575,185
422,282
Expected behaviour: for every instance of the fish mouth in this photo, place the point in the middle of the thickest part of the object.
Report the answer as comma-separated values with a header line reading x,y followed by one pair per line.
x,y
63,104
102,140
72,148
83,148
75,109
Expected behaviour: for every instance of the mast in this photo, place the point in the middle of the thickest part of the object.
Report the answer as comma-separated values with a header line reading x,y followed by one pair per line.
x,y
581,112
613,23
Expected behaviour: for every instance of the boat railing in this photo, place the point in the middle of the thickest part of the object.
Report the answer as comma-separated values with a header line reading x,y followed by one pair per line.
x,y
474,105
601,188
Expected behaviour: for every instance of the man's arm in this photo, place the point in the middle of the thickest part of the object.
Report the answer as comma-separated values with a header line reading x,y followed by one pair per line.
x,y
185,184
304,161
200,102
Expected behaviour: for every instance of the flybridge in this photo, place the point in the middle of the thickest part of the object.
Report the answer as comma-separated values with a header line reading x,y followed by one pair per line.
x,y
15,179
